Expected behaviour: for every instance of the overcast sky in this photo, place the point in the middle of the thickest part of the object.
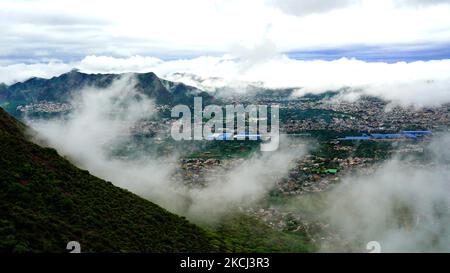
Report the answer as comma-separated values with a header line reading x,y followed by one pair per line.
x,y
70,30
399,49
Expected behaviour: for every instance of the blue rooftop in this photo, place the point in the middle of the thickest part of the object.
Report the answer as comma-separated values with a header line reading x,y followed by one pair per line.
x,y
401,135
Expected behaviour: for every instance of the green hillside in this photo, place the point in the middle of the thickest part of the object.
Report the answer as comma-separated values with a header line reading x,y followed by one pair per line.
x,y
60,89
46,202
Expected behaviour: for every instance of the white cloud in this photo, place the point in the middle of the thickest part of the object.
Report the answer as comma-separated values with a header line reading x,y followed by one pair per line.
x,y
420,83
402,205
304,7
10,73
176,27
100,123
420,2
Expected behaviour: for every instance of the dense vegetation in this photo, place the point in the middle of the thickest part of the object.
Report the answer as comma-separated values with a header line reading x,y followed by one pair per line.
x,y
256,236
225,149
46,202
61,89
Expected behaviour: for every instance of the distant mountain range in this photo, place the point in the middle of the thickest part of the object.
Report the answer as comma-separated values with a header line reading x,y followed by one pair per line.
x,y
59,89
221,87
45,202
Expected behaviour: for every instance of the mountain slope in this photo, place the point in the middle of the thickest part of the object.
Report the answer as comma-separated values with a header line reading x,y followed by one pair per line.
x,y
45,202
59,89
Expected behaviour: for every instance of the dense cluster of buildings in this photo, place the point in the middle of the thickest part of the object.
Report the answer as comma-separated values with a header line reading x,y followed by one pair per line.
x,y
44,107
365,115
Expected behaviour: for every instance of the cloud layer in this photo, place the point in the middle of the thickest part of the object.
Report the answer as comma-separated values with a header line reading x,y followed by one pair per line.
x,y
420,83
403,206
99,125
46,29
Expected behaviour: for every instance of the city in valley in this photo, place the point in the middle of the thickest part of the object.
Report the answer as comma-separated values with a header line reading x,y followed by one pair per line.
x,y
224,131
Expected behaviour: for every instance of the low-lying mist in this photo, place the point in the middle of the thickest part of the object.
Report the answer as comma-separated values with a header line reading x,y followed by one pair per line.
x,y
101,121
246,183
404,205
417,83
